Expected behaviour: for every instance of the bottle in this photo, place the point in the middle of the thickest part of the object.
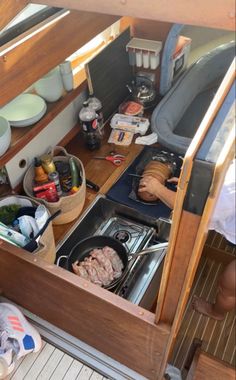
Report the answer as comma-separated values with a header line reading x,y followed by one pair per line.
x,y
67,75
54,176
63,169
40,175
88,118
47,163
96,104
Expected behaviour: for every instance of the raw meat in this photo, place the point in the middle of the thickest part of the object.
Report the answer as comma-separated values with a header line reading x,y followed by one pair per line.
x,y
101,267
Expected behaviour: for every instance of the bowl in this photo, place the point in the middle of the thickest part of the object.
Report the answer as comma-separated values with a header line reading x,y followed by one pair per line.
x,y
5,135
50,87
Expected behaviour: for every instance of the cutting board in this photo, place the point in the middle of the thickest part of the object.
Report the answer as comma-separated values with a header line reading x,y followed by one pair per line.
x,y
109,72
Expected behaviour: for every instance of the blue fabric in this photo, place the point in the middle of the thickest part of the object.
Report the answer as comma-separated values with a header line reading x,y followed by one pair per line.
x,y
167,58
121,190
28,342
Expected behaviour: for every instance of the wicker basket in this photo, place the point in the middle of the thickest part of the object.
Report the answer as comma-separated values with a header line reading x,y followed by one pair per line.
x,y
70,205
46,249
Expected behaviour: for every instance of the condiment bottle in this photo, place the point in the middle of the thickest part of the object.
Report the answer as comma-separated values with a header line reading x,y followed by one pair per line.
x,y
40,175
47,163
63,169
88,118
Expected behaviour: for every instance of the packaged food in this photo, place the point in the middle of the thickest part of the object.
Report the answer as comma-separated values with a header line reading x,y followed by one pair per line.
x,y
131,108
120,137
46,191
133,124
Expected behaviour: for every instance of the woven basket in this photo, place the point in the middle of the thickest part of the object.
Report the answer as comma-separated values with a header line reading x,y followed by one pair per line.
x,y
70,205
46,249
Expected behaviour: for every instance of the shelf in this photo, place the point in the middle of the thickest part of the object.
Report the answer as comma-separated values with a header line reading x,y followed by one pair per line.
x,y
22,136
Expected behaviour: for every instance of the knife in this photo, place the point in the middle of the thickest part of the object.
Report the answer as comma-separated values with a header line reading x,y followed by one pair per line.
x,y
92,185
135,175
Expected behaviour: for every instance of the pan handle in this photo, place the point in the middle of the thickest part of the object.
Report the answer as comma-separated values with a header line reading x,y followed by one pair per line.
x,y
59,259
155,248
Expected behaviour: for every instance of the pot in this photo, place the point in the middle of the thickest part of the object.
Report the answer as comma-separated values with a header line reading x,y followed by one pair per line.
x,y
82,250
143,91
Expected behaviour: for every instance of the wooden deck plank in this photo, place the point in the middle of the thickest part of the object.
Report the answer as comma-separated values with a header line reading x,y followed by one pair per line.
x,y
96,376
218,336
85,373
51,365
73,371
62,368
30,360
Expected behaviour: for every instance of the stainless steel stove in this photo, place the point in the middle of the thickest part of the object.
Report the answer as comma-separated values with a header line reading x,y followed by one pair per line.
x,y
135,231
132,235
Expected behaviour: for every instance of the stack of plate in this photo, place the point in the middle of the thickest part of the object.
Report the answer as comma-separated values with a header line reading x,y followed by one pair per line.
x,y
24,110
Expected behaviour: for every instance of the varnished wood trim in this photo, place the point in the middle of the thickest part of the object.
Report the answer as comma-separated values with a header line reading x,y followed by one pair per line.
x,y
183,252
185,177
124,331
206,366
33,57
9,9
214,14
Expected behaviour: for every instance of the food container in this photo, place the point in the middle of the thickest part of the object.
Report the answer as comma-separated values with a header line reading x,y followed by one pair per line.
x,y
46,246
70,205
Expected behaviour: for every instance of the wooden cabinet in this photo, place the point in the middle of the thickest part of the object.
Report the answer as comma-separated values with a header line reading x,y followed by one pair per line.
x,y
133,336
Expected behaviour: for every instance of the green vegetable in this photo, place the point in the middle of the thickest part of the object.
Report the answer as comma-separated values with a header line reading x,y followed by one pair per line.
x,y
8,213
75,181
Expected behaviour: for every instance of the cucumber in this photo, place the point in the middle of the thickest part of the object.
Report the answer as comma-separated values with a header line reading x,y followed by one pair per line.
x,y
75,180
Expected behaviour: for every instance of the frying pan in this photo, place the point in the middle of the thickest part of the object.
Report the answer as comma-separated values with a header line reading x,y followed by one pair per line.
x,y
85,246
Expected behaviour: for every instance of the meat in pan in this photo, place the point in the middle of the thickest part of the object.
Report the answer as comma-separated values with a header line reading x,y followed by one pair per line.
x,y
102,266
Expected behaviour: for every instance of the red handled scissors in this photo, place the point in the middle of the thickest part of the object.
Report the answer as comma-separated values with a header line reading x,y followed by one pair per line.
x,y
116,159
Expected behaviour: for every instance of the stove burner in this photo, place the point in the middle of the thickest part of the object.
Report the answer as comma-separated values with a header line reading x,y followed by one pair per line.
x,y
129,233
122,236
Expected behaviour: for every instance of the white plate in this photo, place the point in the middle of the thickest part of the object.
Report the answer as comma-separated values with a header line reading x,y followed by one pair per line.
x,y
24,110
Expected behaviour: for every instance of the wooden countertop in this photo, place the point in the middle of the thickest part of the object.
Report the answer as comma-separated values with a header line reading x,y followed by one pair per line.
x,y
101,172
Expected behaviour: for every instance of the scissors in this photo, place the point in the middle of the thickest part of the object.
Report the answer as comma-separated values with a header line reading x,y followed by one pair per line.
x,y
116,159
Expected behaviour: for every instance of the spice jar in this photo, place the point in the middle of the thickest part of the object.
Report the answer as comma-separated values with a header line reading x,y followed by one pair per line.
x,y
47,163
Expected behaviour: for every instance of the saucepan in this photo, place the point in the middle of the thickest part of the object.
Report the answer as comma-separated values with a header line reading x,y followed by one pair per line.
x,y
82,250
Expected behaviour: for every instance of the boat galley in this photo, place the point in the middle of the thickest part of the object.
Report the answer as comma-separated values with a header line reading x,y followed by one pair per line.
x,y
117,190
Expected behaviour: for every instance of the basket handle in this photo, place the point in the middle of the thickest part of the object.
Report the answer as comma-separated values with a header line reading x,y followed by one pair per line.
x,y
59,149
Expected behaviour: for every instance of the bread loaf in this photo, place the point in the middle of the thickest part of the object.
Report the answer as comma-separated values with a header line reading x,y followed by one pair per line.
x,y
159,170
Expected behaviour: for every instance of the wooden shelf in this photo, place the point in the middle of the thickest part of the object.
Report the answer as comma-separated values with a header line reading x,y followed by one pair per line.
x,y
22,136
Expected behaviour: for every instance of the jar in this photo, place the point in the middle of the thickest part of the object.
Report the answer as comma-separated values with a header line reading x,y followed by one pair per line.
x,y
47,163
63,169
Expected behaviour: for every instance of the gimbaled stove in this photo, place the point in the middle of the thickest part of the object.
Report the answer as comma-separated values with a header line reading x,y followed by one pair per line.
x,y
135,231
